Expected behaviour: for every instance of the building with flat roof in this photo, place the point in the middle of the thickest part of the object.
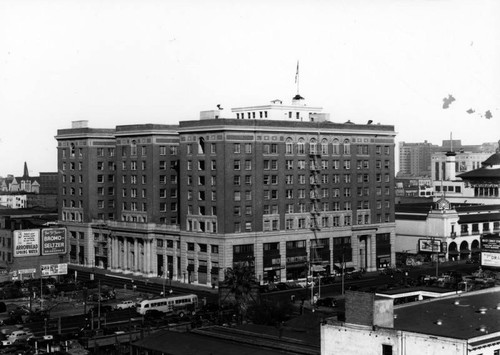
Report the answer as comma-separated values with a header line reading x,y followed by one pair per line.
x,y
189,201
15,264
465,323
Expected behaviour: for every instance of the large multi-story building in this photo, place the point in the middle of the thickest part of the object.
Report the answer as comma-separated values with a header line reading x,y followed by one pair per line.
x,y
278,187
415,158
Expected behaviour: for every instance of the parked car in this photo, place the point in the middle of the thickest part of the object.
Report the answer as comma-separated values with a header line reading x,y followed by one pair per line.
x,y
326,302
19,335
125,305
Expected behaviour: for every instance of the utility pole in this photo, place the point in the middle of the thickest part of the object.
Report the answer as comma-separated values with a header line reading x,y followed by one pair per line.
x,y
343,272
99,305
435,246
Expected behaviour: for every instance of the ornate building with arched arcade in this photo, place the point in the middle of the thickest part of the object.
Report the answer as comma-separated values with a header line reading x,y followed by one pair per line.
x,y
451,231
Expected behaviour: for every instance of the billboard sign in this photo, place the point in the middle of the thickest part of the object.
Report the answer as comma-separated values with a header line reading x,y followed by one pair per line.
x,y
26,242
490,242
53,241
54,269
490,259
429,245
26,271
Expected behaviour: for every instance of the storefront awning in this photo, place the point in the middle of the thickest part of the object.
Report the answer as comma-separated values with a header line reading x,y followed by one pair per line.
x,y
478,217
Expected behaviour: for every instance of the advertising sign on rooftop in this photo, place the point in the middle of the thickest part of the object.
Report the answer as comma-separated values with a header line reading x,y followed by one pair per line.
x,y
53,241
26,242
429,245
54,269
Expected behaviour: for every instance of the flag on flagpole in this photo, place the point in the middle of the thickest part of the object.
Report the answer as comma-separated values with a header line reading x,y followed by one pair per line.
x,y
297,73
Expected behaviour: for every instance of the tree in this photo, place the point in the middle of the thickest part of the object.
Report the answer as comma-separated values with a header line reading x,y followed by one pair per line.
x,y
239,288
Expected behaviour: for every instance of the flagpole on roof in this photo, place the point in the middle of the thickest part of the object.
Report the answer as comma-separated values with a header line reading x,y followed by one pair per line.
x,y
297,77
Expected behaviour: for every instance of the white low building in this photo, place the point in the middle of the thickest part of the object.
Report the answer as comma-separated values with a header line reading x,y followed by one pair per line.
x,y
454,325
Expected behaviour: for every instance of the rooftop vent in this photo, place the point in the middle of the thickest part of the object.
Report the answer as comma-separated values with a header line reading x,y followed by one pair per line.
x,y
483,310
498,306
482,328
439,322
457,302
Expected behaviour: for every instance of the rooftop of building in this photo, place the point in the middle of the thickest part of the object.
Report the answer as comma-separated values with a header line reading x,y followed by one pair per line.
x,y
263,123
148,127
297,336
462,316
468,213
27,212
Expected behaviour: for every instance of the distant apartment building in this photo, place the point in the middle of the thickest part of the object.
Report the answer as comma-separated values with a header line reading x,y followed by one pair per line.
x,y
415,159
443,165
279,187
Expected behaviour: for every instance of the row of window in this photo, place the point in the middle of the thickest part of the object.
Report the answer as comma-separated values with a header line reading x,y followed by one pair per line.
x,y
301,179
131,150
194,225
314,147
290,165
262,114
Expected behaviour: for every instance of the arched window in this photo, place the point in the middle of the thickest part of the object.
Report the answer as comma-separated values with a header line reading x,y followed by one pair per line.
x,y
301,146
347,147
313,146
336,145
289,146
324,147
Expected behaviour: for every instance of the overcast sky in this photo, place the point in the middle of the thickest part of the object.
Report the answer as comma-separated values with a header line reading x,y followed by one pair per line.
x,y
152,61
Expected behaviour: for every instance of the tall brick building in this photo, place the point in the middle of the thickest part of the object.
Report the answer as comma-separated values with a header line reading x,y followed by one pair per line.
x,y
279,186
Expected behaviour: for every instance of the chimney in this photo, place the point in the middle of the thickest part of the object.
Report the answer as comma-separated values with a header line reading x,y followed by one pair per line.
x,y
80,124
362,308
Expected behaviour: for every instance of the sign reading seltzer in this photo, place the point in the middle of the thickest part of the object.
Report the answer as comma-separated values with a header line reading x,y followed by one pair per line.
x,y
53,241
27,242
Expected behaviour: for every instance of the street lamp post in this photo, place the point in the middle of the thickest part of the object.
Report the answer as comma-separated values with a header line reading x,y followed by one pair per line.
x,y
164,280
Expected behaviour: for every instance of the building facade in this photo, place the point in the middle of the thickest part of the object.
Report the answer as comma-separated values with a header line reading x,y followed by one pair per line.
x,y
453,232
189,201
415,158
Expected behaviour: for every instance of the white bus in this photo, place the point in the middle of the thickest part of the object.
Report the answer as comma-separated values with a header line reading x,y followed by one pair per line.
x,y
180,305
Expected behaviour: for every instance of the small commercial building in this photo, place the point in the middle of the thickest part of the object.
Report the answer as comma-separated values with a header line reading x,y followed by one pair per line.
x,y
459,324
31,244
